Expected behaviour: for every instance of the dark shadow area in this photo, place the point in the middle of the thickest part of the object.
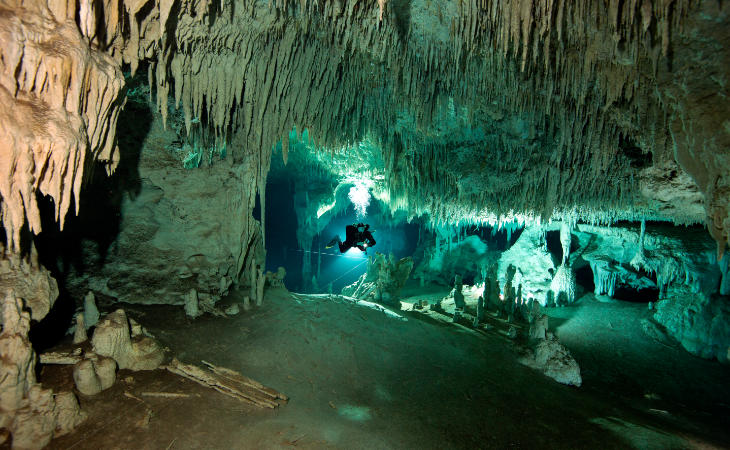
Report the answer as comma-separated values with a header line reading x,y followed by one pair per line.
x,y
552,239
86,239
631,294
497,239
637,157
281,230
584,277
97,224
401,10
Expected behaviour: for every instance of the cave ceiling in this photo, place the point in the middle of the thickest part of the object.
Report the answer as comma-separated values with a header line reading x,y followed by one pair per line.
x,y
479,110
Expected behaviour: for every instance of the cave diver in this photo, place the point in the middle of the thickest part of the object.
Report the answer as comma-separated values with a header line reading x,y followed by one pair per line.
x,y
356,235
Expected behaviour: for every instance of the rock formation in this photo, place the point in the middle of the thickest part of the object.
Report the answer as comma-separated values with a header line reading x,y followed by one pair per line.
x,y
416,82
555,361
33,415
700,323
517,111
450,253
615,258
179,229
276,279
383,280
80,335
94,373
458,295
60,101
112,338
546,354
191,304
91,312
28,280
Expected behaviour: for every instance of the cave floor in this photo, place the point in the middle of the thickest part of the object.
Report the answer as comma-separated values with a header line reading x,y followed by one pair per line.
x,y
357,379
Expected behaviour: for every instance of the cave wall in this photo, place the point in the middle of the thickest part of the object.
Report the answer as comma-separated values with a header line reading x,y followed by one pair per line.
x,y
178,228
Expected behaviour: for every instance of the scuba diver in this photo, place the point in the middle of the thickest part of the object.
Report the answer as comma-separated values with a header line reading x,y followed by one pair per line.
x,y
356,235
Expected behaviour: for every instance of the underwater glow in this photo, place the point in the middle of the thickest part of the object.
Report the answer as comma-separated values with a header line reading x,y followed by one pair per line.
x,y
360,197
324,208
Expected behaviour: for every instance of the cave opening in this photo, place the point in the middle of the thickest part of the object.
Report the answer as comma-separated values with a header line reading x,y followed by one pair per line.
x,y
554,247
584,277
644,290
633,294
281,230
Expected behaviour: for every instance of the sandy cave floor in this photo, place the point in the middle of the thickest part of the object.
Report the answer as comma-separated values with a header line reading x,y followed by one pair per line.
x,y
359,380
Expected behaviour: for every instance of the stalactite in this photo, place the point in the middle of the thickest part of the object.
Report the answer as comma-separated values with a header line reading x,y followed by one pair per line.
x,y
343,71
60,104
604,278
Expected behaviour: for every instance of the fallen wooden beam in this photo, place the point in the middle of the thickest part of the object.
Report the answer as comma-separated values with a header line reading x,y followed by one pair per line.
x,y
229,382
68,358
165,395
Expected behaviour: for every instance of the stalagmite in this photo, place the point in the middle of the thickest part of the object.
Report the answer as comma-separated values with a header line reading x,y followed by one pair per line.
x,y
565,239
91,312
260,282
563,285
491,289
458,295
32,414
80,331
112,338
94,374
191,304
480,312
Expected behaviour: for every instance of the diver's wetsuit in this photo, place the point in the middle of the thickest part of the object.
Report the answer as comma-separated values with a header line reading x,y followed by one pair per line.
x,y
354,238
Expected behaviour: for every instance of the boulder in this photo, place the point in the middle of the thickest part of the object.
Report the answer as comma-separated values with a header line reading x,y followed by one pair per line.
x,y
232,310
555,361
